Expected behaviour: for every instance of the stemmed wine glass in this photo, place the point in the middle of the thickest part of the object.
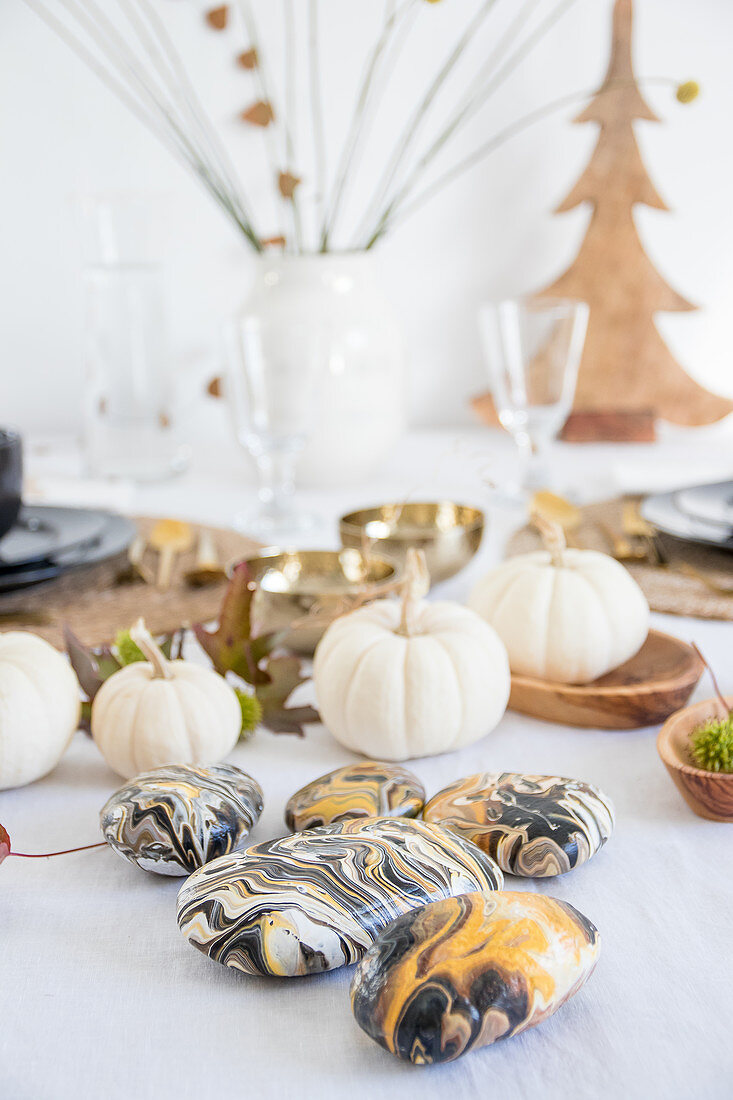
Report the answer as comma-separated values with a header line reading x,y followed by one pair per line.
x,y
533,349
273,382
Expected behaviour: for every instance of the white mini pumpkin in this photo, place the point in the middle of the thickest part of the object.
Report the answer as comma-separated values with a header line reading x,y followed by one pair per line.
x,y
564,615
39,708
396,680
157,712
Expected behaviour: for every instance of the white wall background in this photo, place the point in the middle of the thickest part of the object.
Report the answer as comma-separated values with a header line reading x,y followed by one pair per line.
x,y
490,234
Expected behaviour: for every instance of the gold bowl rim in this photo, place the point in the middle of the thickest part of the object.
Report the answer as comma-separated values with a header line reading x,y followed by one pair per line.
x,y
393,568
356,520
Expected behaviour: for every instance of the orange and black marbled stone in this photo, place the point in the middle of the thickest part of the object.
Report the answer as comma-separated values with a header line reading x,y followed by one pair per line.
x,y
535,826
467,971
368,789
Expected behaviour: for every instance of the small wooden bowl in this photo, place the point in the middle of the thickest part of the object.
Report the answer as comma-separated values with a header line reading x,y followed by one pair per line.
x,y
708,794
642,692
449,533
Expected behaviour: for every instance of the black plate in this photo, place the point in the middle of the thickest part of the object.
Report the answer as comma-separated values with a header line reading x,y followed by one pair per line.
x,y
116,535
42,532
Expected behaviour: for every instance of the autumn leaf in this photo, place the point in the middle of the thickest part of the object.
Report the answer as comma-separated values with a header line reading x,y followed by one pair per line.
x,y
249,59
231,647
4,843
259,114
218,17
273,242
284,676
87,665
287,183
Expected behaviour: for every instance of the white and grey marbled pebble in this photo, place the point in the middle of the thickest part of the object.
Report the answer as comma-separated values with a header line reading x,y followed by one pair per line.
x,y
316,900
176,818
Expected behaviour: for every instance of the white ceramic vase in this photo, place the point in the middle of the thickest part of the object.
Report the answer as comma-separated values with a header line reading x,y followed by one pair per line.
x,y
361,414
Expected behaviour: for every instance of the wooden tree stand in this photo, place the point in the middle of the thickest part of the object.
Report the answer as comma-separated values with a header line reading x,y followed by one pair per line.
x,y
628,376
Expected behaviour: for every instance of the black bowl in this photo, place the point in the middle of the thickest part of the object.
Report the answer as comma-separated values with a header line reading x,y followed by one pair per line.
x,y
11,478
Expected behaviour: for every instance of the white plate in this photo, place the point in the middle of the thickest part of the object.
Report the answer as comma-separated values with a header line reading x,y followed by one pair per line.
x,y
663,512
712,503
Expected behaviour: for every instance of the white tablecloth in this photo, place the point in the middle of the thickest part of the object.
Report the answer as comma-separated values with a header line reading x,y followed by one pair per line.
x,y
101,997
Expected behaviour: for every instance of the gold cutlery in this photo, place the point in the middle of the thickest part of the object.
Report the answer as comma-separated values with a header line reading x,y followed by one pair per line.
x,y
557,509
169,537
690,571
135,568
636,526
207,569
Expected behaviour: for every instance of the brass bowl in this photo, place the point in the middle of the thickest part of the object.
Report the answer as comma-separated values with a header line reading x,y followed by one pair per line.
x,y
450,534
295,586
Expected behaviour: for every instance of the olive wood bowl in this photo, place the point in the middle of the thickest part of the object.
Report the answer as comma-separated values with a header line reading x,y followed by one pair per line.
x,y
708,794
644,691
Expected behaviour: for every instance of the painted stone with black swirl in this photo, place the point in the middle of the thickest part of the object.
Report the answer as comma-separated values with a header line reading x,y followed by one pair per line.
x,y
316,900
467,971
369,789
176,818
536,826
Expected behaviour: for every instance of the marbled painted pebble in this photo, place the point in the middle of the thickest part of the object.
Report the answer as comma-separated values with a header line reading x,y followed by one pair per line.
x,y
467,971
176,818
532,825
316,900
369,789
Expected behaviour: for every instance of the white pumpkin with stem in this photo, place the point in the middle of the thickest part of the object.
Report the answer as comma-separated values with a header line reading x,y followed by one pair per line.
x,y
39,707
564,615
157,712
400,679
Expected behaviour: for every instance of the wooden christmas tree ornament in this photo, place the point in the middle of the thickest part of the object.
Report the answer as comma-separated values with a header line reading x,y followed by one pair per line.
x,y
628,376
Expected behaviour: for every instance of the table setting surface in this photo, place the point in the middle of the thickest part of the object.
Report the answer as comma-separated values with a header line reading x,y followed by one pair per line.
x,y
101,995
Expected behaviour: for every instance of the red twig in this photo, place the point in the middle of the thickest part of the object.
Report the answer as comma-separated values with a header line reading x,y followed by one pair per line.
x,y
718,692
65,852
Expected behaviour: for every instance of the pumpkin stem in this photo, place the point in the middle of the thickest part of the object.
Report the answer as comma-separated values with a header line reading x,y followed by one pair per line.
x,y
142,638
415,586
553,537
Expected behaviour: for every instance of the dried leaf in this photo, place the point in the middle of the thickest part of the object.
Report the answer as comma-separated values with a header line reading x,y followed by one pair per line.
x,y
214,388
291,720
233,647
249,59
228,647
285,676
218,17
4,843
273,242
259,114
83,663
287,183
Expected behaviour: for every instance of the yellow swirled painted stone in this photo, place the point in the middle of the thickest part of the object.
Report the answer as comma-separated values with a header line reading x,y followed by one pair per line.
x,y
178,817
316,900
369,789
532,825
467,971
